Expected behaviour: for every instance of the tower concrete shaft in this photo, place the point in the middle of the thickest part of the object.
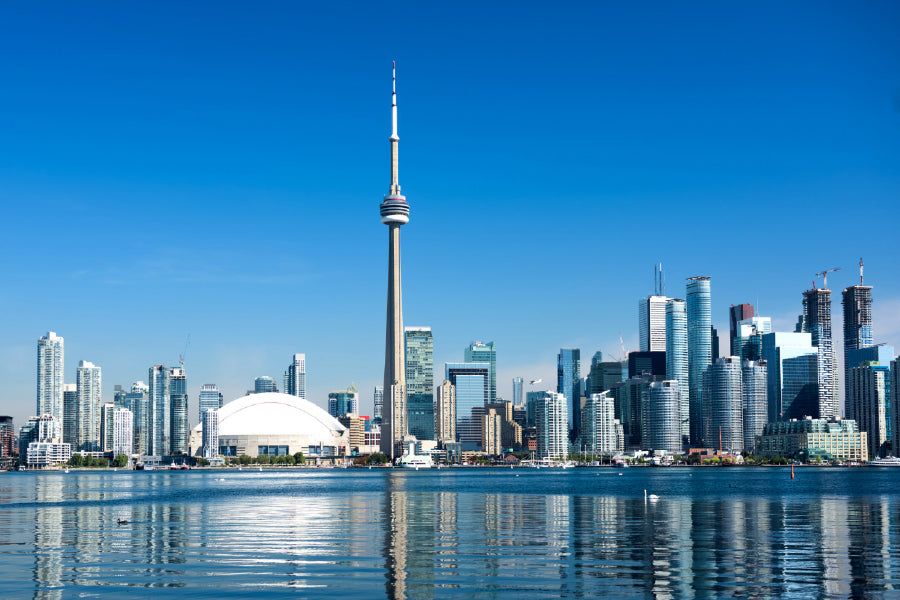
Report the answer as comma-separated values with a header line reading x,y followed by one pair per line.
x,y
394,214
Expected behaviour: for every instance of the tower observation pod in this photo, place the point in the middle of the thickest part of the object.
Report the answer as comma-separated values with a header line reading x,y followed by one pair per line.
x,y
394,214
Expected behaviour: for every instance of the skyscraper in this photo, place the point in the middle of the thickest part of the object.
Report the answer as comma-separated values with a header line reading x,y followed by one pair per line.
x,y
723,406
178,400
472,384
160,417
792,372
754,382
652,323
70,415
138,402
699,328
551,423
818,323
210,398
88,384
106,426
479,352
857,303
677,360
7,435
880,354
210,441
295,377
736,314
747,339
445,416
394,214
50,353
661,418
870,395
568,375
518,397
420,382
123,432
895,404
599,426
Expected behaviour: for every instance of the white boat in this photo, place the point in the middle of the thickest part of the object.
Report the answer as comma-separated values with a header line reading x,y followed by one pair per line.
x,y
890,461
416,461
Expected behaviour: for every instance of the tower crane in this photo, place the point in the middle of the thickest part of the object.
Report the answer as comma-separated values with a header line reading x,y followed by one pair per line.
x,y
824,275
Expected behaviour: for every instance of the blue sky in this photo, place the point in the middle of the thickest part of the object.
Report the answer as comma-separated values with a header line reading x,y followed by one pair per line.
x,y
215,170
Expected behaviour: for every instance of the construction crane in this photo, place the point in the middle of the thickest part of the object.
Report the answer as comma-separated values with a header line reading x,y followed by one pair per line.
x,y
624,351
824,275
183,354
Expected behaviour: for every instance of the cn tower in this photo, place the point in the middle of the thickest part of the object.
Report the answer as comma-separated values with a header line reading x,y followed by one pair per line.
x,y
394,213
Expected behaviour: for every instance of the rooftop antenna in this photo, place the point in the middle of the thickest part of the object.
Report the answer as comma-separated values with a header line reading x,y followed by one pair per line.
x,y
183,354
860,271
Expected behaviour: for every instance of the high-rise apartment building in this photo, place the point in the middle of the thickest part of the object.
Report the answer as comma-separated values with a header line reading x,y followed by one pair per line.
x,y
880,354
754,386
600,430
88,384
792,371
568,376
895,405
210,398
518,392
661,417
123,432
70,415
107,410
295,377
210,441
551,421
50,354
736,314
652,323
723,414
160,414
699,328
677,360
445,413
343,402
420,382
472,384
394,213
817,307
138,402
178,398
491,426
869,393
7,437
480,352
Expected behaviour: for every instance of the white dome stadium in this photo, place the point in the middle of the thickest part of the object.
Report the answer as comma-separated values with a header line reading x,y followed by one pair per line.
x,y
273,423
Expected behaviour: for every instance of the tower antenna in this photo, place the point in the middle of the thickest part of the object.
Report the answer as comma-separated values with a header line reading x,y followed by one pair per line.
x,y
860,271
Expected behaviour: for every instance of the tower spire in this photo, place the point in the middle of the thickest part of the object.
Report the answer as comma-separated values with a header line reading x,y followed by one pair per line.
x,y
395,180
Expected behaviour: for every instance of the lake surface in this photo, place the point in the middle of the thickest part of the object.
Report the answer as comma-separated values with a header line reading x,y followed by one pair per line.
x,y
452,533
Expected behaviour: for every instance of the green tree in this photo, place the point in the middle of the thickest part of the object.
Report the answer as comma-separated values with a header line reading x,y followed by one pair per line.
x,y
299,458
120,461
202,462
101,462
76,461
244,459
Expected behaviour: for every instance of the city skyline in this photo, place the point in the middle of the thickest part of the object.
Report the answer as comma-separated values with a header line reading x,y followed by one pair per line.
x,y
278,294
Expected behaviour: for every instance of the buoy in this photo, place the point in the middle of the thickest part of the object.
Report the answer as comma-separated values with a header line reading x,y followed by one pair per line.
x,y
792,470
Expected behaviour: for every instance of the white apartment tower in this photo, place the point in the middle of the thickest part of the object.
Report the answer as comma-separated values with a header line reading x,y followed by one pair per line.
x,y
295,377
87,385
50,376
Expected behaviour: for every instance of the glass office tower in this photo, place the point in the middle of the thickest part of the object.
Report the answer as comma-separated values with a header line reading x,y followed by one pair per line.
x,y
472,384
178,397
723,405
677,360
754,382
568,378
793,388
420,382
479,352
699,329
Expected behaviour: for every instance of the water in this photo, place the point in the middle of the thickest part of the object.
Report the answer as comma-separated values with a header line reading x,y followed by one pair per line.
x,y
452,533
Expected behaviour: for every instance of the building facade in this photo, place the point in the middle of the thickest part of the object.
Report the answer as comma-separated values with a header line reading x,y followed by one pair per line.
x,y
736,314
180,433
600,431
652,323
869,395
88,384
344,402
70,415
210,443
551,420
160,416
211,398
677,360
568,376
723,405
491,424
817,321
50,361
445,413
123,432
699,327
264,385
295,377
7,437
754,384
480,352
807,438
472,384
747,340
420,382
518,392
661,419
792,371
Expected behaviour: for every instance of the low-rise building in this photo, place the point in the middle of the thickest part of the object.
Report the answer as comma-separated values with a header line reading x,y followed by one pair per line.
x,y
45,454
811,438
